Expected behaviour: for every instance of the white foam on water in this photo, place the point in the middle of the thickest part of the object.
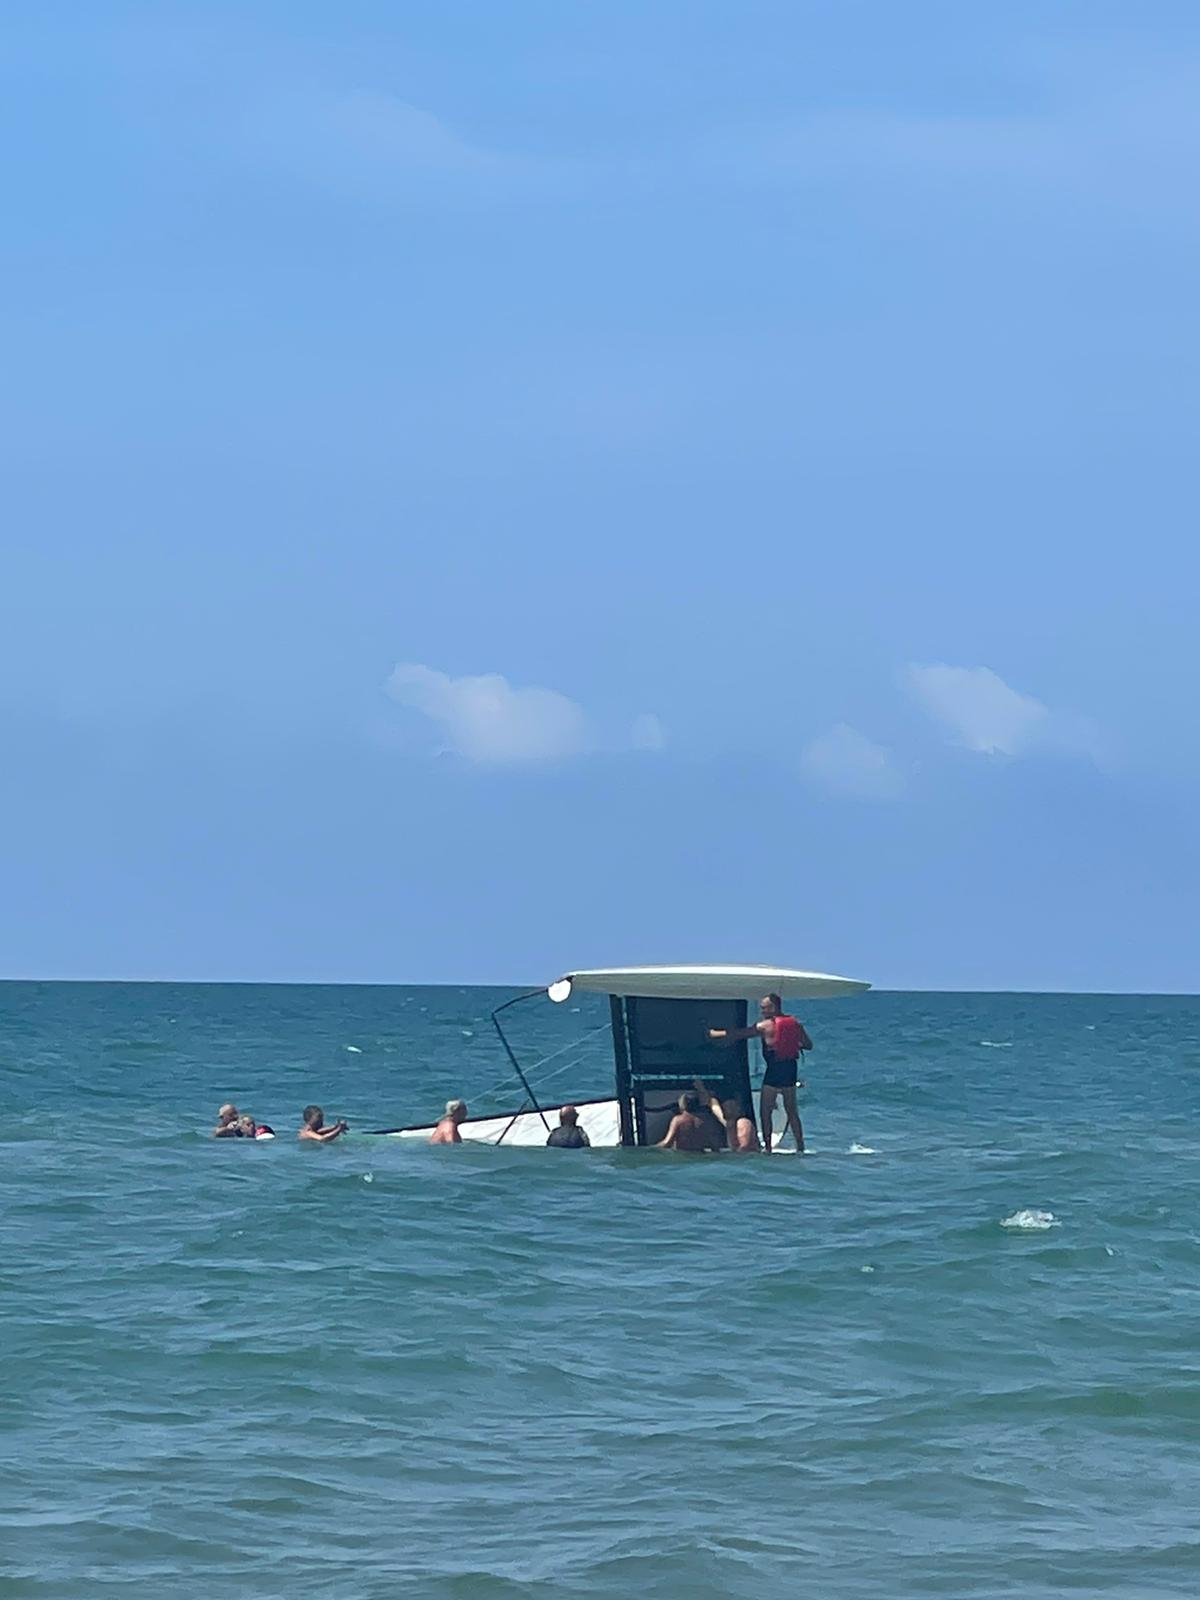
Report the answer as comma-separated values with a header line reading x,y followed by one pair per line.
x,y
1031,1221
862,1150
467,1033
354,1050
996,1044
866,1269
368,1177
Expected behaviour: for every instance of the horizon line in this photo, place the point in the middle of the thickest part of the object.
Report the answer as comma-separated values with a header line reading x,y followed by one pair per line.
x,y
375,983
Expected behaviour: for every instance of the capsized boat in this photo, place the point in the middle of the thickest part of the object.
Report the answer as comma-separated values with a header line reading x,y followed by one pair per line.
x,y
659,1019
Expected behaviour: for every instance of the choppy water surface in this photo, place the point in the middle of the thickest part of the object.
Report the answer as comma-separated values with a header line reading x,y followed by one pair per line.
x,y
954,1352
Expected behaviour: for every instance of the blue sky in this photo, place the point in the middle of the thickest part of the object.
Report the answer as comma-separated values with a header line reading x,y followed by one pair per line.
x,y
496,488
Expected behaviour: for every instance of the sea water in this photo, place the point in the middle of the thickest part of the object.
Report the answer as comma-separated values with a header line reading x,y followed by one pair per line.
x,y
953,1351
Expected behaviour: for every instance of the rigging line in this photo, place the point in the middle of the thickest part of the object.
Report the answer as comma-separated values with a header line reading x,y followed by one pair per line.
x,y
572,1044
557,1073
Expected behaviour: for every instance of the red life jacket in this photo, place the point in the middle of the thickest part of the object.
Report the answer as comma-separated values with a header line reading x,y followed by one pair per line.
x,y
789,1039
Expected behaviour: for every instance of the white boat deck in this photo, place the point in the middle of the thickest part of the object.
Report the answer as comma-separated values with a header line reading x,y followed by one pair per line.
x,y
598,1119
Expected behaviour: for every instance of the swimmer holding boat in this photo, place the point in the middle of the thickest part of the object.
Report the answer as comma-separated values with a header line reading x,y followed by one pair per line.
x,y
314,1128
740,1133
689,1129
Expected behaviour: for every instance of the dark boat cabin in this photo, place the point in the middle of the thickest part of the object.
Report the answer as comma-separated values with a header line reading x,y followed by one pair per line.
x,y
660,1047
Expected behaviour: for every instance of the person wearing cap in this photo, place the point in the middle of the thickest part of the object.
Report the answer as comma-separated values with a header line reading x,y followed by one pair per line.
x,y
228,1122
446,1131
568,1135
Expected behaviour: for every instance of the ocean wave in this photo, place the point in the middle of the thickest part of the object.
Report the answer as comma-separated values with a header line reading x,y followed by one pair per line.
x,y
199,1338
996,1044
1031,1221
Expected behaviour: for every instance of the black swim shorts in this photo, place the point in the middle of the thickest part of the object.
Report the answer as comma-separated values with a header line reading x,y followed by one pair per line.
x,y
781,1074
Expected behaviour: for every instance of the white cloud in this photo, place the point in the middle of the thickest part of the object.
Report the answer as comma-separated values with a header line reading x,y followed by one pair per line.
x,y
486,720
863,141
376,146
647,732
849,763
386,129
1105,124
979,708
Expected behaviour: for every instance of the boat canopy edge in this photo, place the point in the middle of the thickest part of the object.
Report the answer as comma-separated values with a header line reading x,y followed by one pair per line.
x,y
707,983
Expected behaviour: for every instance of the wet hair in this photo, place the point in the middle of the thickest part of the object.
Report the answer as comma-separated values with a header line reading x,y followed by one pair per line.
x,y
775,1001
689,1100
312,1114
569,1116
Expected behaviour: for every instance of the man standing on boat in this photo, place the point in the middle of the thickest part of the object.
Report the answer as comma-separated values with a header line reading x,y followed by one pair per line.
x,y
782,1038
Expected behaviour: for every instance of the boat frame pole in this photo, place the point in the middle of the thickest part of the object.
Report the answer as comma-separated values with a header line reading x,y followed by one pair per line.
x,y
621,1064
508,1050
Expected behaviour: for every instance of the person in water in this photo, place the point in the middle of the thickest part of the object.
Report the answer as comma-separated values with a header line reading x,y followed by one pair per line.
x,y
228,1122
314,1127
782,1038
446,1131
741,1135
568,1135
254,1130
689,1129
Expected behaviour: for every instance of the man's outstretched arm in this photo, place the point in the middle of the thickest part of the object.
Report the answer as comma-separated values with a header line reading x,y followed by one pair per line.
x,y
730,1035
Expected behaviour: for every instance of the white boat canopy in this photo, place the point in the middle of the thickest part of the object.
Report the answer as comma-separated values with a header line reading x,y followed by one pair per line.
x,y
707,983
